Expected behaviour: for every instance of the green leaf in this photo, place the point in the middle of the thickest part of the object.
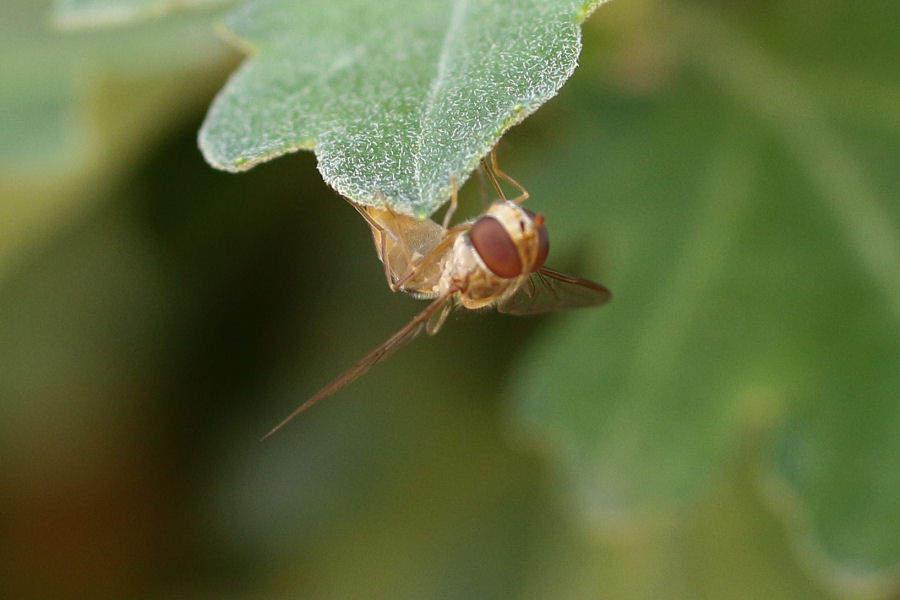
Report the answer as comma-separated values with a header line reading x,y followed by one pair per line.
x,y
81,13
395,97
752,229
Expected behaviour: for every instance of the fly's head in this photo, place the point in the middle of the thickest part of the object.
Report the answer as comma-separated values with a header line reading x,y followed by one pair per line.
x,y
510,240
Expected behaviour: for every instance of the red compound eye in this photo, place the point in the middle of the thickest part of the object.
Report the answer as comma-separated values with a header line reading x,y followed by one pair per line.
x,y
496,248
543,240
543,248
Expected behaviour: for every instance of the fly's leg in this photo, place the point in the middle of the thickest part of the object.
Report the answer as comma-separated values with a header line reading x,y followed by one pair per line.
x,y
490,175
523,193
454,202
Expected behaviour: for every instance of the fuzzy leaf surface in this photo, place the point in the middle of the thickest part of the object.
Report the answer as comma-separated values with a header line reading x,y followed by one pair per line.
x,y
395,97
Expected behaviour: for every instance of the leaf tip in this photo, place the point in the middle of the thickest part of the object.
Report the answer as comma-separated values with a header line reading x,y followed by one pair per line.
x,y
586,9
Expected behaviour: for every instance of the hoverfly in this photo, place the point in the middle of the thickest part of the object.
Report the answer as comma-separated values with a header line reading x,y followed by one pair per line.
x,y
494,260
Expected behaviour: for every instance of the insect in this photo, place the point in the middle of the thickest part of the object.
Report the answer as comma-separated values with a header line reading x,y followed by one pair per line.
x,y
494,260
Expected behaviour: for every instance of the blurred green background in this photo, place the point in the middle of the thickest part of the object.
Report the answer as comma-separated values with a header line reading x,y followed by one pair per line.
x,y
728,427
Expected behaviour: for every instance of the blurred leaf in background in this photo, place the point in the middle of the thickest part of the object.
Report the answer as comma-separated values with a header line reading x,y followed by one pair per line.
x,y
79,108
98,13
727,427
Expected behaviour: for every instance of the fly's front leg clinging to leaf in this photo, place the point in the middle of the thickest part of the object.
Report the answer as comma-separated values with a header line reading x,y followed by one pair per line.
x,y
493,171
454,203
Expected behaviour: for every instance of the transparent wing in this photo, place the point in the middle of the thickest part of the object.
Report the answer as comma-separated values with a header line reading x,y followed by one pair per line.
x,y
548,290
411,249
407,334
